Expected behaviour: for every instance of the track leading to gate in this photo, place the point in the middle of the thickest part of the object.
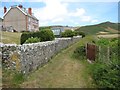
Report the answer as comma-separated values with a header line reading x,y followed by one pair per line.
x,y
62,71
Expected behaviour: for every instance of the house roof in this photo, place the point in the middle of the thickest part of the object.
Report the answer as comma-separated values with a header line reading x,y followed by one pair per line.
x,y
23,10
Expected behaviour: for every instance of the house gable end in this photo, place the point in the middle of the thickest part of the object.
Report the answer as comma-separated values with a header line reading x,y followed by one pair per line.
x,y
11,9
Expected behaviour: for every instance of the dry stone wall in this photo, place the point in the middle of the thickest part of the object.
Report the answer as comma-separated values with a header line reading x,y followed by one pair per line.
x,y
28,57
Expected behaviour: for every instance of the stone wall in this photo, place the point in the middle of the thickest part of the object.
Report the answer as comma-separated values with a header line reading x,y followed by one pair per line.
x,y
28,57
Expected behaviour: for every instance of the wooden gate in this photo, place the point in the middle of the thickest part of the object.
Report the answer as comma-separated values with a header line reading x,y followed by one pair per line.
x,y
91,51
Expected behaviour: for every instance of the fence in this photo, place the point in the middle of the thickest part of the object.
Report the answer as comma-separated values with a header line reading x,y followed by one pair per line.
x,y
107,54
101,53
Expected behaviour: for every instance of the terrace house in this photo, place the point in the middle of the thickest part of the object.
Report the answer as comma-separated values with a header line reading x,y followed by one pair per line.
x,y
20,19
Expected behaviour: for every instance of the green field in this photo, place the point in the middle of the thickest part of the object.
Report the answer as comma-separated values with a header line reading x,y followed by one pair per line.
x,y
10,37
111,28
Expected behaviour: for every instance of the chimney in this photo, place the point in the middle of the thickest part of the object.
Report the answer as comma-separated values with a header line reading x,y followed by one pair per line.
x,y
5,9
30,11
20,6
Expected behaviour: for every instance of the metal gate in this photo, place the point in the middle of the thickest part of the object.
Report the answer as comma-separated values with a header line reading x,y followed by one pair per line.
x,y
91,51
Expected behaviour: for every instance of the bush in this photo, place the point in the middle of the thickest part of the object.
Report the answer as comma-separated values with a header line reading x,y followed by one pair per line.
x,y
108,42
46,35
79,33
103,42
80,52
24,37
106,75
67,33
32,40
43,35
106,72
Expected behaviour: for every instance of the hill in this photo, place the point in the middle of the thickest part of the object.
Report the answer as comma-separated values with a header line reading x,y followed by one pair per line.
x,y
108,27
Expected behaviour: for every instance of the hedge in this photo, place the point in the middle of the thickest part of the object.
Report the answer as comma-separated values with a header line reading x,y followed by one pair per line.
x,y
79,33
43,35
67,33
32,40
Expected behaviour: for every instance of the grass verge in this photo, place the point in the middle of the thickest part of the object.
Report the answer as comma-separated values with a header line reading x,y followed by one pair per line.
x,y
10,37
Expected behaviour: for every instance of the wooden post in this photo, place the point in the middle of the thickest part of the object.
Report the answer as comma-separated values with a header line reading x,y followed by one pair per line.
x,y
108,53
99,49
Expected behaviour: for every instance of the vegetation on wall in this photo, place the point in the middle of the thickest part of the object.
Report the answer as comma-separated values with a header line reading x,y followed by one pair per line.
x,y
67,33
32,40
79,33
46,35
43,35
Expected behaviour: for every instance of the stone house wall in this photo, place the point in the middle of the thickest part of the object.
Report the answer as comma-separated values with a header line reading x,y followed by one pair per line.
x,y
28,57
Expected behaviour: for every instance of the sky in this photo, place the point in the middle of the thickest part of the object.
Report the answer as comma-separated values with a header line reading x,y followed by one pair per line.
x,y
68,12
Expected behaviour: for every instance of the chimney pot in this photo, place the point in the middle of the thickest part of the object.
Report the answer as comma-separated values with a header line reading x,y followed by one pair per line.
x,y
30,11
5,9
20,6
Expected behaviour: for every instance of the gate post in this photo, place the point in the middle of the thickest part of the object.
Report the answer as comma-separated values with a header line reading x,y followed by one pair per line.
x,y
91,52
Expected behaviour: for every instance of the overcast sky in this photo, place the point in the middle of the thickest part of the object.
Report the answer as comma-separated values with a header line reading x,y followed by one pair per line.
x,y
68,12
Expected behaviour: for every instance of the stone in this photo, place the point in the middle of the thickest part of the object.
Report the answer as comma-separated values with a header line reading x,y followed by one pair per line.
x,y
31,56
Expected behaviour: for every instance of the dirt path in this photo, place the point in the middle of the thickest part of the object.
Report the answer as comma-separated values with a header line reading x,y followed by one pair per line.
x,y
61,72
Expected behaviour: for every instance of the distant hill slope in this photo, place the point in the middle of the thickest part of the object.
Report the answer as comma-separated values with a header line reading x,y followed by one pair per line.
x,y
102,27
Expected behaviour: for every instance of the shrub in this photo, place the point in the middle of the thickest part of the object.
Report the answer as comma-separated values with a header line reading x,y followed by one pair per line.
x,y
46,35
106,72
24,37
32,40
103,42
43,35
80,52
67,33
106,75
79,33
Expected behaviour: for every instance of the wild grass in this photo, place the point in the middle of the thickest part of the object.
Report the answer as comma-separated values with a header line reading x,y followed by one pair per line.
x,y
10,37
12,79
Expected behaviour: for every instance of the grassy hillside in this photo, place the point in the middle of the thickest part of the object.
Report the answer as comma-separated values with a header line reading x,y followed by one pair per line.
x,y
102,27
10,37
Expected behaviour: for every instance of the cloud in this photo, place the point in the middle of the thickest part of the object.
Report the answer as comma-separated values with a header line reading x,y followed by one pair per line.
x,y
82,15
78,13
1,11
61,0
86,18
12,0
58,12
94,21
57,20
52,12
